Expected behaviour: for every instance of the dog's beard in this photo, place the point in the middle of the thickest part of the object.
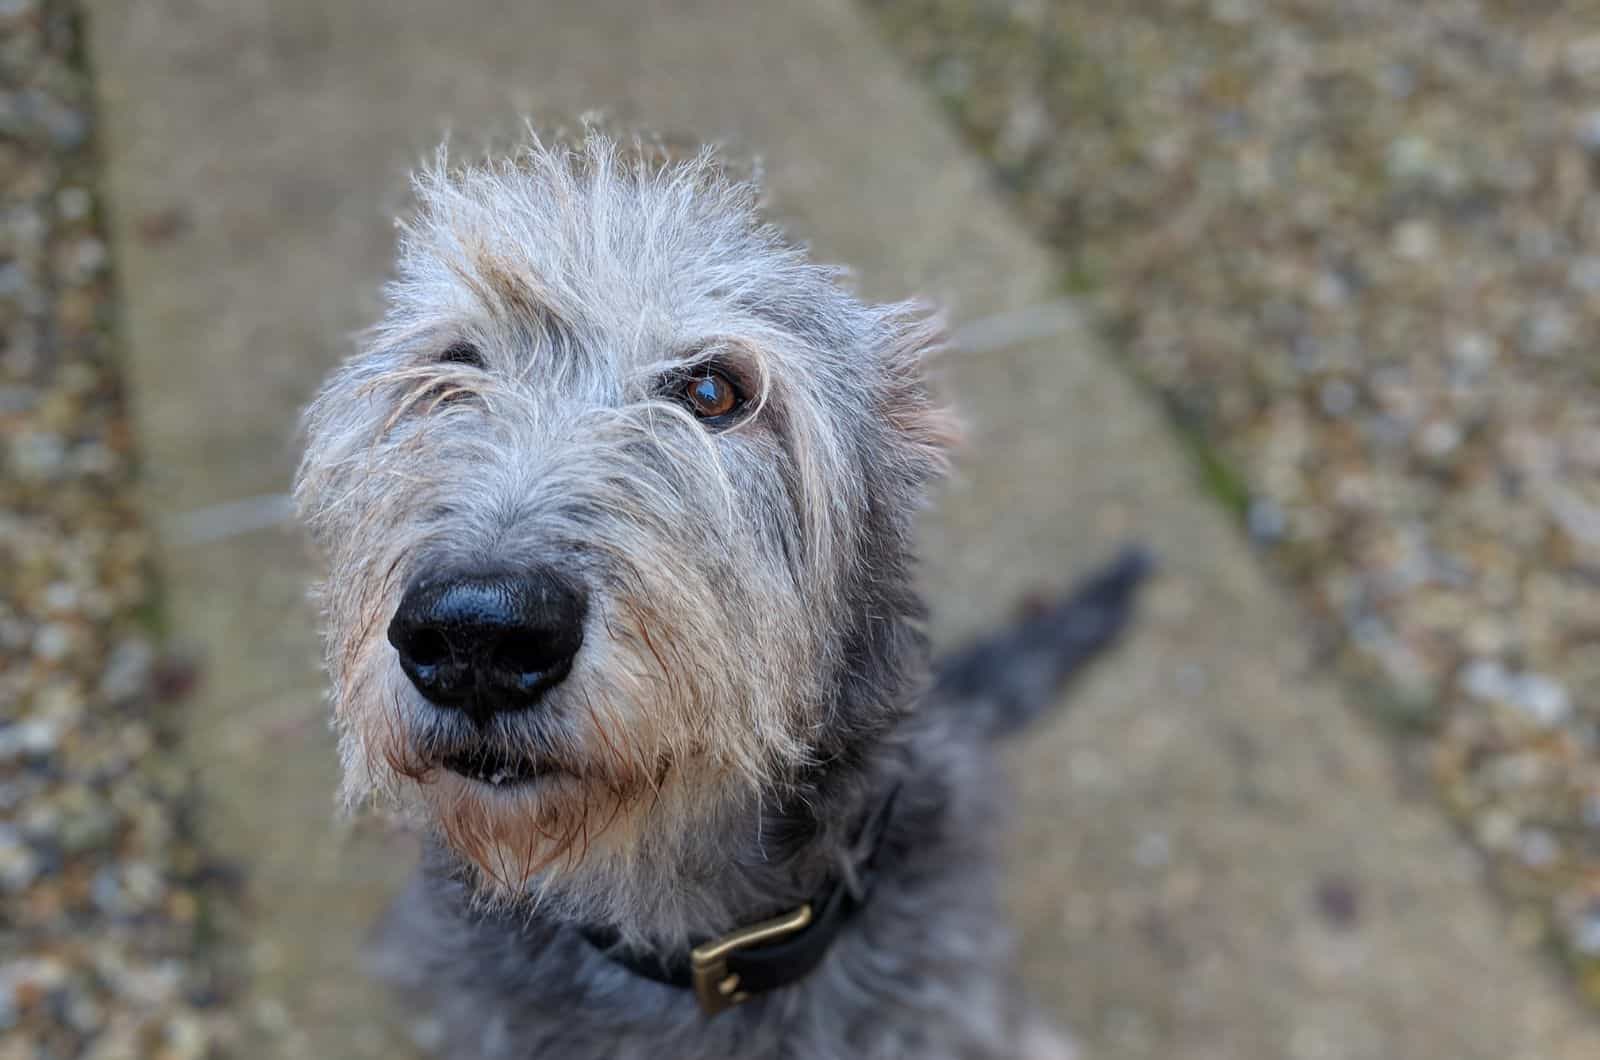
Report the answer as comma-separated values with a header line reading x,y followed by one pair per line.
x,y
518,836
618,766
519,800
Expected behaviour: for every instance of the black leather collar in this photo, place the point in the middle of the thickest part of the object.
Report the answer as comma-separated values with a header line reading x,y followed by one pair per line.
x,y
753,960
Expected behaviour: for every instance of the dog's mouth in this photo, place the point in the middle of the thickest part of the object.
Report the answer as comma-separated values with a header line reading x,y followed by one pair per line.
x,y
496,768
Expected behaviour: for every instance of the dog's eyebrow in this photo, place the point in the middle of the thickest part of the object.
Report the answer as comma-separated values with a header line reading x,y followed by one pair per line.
x,y
511,293
793,313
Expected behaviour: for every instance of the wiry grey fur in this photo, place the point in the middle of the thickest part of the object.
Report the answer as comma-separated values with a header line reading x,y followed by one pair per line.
x,y
752,679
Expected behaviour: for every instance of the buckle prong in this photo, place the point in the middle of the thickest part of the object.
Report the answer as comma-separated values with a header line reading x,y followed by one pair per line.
x,y
714,986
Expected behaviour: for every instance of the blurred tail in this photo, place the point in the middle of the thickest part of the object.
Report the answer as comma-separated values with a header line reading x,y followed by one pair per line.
x,y
1008,678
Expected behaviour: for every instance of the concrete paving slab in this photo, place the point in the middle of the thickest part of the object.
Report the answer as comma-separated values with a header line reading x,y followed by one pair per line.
x,y
1213,858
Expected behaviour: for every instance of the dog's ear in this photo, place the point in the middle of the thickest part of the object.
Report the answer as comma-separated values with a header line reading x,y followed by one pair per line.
x,y
915,336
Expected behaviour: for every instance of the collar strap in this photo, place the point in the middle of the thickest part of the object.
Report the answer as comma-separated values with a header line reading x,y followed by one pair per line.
x,y
751,960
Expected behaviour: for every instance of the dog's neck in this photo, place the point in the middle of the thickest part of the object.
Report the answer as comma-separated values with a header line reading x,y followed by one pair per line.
x,y
761,857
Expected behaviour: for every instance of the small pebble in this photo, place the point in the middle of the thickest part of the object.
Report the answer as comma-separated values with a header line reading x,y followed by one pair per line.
x,y
1538,849
1266,520
1337,398
74,204
1585,933
1439,439
1338,901
1416,241
1589,131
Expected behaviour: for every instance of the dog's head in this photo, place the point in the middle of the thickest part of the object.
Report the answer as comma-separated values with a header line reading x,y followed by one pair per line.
x,y
615,504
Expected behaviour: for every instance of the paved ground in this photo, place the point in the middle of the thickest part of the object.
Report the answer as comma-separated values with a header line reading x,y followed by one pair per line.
x,y
1347,243
1213,860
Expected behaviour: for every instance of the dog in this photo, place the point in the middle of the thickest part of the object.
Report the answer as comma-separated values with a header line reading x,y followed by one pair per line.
x,y
616,505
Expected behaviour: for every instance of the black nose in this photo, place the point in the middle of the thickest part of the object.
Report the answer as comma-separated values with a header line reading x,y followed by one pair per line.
x,y
488,643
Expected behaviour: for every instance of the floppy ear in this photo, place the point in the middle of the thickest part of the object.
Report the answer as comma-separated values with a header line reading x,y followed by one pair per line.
x,y
915,334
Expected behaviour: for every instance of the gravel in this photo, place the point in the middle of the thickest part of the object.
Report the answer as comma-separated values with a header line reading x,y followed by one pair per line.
x,y
106,902
1354,245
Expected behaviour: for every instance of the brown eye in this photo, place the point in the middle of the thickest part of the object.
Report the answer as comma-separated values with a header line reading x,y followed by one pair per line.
x,y
710,395
462,353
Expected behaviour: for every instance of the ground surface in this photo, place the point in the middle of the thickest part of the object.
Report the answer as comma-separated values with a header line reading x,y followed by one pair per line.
x,y
103,893
1355,246
1214,858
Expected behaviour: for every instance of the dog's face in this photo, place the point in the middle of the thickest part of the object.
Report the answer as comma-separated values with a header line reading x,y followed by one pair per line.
x,y
614,506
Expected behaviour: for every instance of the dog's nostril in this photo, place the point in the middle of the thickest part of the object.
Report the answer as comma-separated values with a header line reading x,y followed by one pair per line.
x,y
523,654
427,647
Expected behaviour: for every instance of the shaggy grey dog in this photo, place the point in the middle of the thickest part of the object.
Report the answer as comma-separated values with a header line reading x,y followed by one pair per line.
x,y
617,507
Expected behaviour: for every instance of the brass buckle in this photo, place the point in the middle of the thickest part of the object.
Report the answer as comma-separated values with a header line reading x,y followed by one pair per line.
x,y
714,986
